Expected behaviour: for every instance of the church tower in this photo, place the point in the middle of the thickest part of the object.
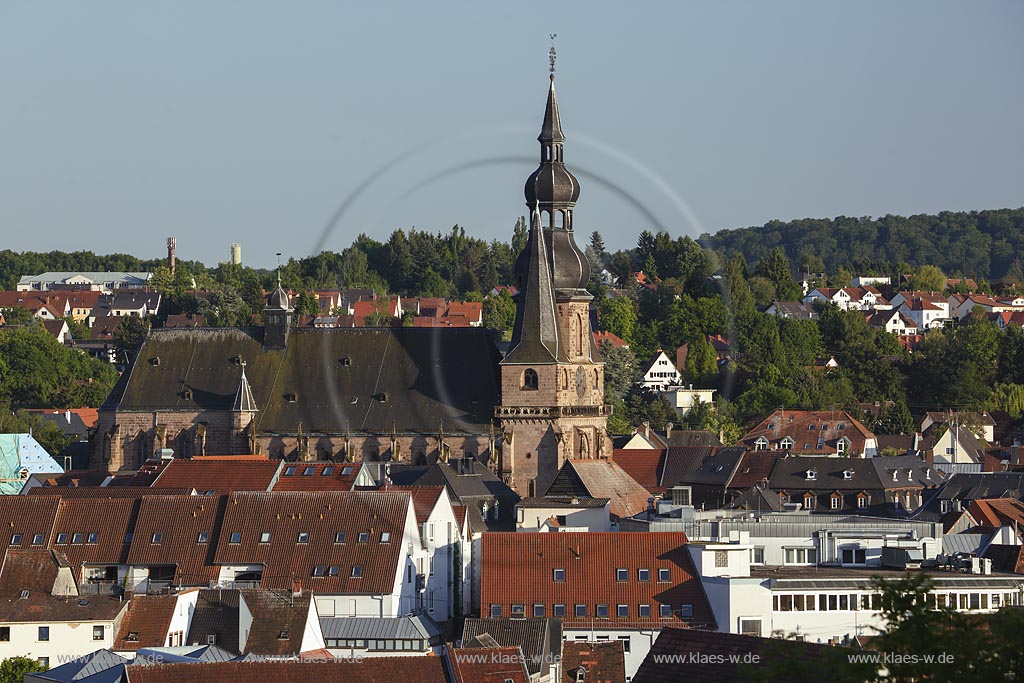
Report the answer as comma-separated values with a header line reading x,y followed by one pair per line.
x,y
277,319
552,379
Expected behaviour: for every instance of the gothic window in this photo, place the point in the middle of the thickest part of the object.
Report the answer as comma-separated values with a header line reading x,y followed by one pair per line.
x,y
530,381
565,378
581,328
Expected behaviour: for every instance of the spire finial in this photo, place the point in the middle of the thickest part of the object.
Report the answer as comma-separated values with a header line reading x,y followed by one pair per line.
x,y
552,54
278,269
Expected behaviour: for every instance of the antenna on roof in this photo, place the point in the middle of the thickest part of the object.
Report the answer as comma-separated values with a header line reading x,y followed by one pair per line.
x,y
278,269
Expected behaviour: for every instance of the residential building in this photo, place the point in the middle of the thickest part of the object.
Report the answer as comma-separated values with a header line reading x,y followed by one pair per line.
x,y
684,399
596,661
601,479
357,637
156,621
91,281
539,639
812,432
927,310
793,310
660,373
562,513
21,457
892,321
603,586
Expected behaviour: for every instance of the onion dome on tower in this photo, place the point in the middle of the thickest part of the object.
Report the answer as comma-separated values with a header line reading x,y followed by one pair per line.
x,y
553,190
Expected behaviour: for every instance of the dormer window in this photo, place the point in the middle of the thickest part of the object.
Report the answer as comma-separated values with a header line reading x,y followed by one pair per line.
x,y
808,501
811,474
842,445
848,474
761,444
787,443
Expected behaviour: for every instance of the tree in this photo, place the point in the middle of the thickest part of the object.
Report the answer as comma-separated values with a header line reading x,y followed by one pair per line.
x,y
13,669
701,362
619,316
130,333
597,244
775,268
499,311
79,330
48,434
928,278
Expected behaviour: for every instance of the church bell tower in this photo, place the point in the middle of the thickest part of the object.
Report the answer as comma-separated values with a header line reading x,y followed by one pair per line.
x,y
552,378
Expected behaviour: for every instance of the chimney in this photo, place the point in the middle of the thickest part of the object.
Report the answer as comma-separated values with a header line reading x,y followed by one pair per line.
x,y
647,429
917,441
67,415
668,430
296,587
171,244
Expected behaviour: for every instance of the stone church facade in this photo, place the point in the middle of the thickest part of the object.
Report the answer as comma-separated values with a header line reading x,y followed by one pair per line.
x,y
402,394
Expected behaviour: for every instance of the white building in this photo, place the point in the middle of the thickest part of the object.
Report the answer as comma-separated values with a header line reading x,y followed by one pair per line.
x,y
824,604
559,513
94,281
683,399
660,373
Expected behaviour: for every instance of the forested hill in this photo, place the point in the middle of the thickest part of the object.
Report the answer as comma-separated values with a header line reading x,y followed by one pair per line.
x,y
979,244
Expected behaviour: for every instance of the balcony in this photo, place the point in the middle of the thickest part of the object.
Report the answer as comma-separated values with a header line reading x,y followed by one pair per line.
x,y
550,412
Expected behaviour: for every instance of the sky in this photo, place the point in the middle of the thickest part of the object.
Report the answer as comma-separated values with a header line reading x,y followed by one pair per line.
x,y
294,127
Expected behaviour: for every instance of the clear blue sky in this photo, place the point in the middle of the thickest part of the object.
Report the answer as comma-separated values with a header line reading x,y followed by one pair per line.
x,y
124,122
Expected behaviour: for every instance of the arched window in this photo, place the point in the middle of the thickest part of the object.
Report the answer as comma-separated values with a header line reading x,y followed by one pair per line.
x,y
530,379
582,331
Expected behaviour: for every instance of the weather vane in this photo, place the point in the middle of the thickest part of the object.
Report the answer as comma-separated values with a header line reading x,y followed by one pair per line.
x,y
551,53
278,269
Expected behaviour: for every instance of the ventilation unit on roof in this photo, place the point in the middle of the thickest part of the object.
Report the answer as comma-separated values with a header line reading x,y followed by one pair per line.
x,y
345,361
291,397
155,360
211,639
187,394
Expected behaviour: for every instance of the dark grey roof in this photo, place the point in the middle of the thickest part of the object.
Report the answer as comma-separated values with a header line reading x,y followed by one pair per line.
x,y
969,487
101,665
216,613
535,333
756,498
333,381
964,543
538,637
909,469
562,502
398,628
690,437
790,474
713,468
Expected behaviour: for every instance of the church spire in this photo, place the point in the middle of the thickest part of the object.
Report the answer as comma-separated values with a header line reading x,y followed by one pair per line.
x,y
535,335
551,131
244,402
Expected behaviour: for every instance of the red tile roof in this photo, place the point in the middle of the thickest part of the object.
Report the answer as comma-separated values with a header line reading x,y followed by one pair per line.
x,y
610,337
424,499
321,515
29,569
518,569
28,516
603,479
317,476
998,512
179,520
471,310
146,622
754,467
219,474
489,665
109,518
366,670
645,465
604,662
105,491
805,426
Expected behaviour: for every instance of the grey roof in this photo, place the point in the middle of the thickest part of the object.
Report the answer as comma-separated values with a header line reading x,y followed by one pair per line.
x,y
964,543
688,437
244,402
969,487
563,502
333,381
399,628
908,469
88,668
708,467
756,498
537,636
216,613
795,309
535,333
96,276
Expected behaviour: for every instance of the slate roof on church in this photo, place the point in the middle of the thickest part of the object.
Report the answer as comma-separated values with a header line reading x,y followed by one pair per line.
x,y
330,380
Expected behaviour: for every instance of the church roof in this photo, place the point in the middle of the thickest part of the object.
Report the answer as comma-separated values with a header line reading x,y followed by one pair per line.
x,y
331,380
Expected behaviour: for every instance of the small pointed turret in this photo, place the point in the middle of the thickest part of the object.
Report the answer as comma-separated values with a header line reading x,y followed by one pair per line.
x,y
244,402
535,335
551,131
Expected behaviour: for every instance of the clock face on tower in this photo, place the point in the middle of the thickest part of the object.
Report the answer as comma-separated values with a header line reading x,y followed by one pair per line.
x,y
581,382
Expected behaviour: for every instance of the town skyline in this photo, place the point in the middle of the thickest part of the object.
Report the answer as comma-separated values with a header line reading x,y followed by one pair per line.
x,y
706,118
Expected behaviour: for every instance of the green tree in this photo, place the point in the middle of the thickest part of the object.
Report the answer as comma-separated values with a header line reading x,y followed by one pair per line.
x,y
13,669
17,316
597,244
79,330
130,333
619,316
775,268
701,362
45,432
1008,398
928,278
499,312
